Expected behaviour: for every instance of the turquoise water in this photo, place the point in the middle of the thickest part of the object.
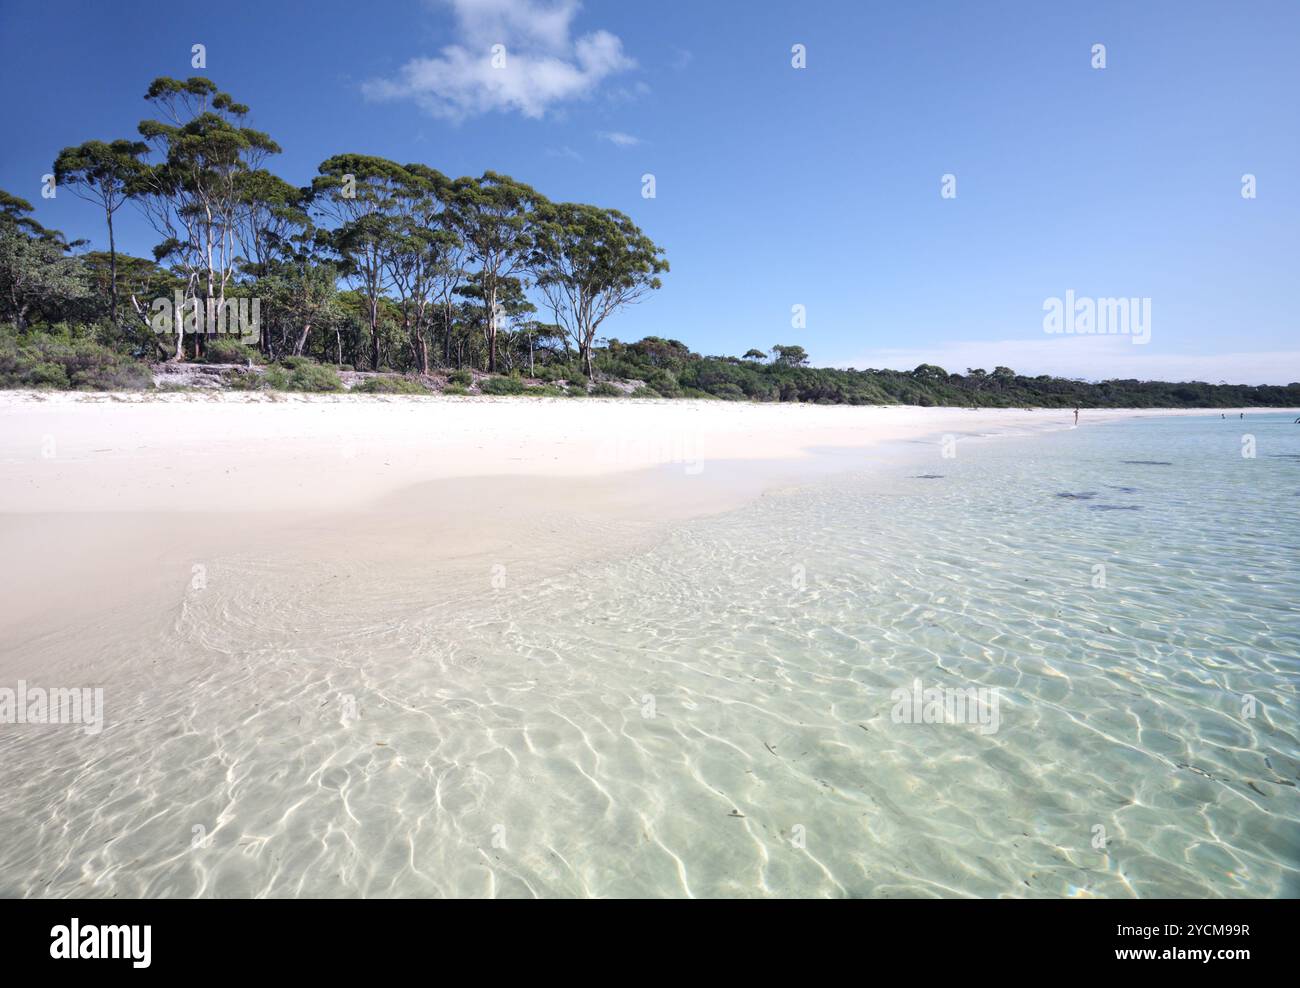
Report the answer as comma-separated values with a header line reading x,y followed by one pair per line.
x,y
772,639
717,715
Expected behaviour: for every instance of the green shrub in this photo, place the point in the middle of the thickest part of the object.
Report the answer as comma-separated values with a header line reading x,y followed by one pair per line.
x,y
390,386
606,390
314,377
546,391
276,378
46,375
455,389
83,365
228,350
729,391
246,380
664,383
462,377
293,363
502,386
96,368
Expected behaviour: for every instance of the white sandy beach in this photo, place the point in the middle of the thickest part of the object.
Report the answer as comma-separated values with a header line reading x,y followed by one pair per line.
x,y
233,452
108,501
97,489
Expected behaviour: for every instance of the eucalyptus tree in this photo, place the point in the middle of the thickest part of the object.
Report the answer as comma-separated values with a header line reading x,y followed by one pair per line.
x,y
446,255
37,275
545,337
103,173
301,295
589,263
13,215
514,329
139,281
789,355
360,194
273,219
277,240
496,217
417,258
194,194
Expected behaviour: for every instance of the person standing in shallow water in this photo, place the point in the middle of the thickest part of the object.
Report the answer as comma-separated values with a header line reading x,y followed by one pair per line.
x,y
1076,416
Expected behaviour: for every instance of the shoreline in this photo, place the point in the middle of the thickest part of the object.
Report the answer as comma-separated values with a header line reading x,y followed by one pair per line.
x,y
109,529
88,451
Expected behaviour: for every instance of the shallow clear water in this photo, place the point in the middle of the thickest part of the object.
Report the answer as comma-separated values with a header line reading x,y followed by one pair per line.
x,y
716,715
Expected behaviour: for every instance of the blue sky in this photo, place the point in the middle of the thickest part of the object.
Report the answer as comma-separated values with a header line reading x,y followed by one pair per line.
x,y
778,186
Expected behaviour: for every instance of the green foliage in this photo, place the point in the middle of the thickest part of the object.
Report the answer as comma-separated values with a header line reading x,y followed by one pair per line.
x,y
276,378
391,386
725,389
789,356
455,389
502,386
314,377
302,375
606,390
251,380
37,278
591,262
226,350
81,366
461,377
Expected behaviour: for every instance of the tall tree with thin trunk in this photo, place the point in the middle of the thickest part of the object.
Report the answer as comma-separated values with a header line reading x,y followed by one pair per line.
x,y
589,263
195,194
496,216
419,241
359,192
103,174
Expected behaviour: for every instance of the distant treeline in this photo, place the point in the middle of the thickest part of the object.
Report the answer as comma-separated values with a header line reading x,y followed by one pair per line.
x,y
423,281
671,370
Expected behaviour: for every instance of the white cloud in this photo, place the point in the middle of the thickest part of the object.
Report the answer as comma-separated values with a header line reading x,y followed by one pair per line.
x,y
1092,357
619,139
543,64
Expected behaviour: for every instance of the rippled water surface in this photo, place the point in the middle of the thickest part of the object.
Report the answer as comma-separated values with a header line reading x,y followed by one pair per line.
x,y
714,715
